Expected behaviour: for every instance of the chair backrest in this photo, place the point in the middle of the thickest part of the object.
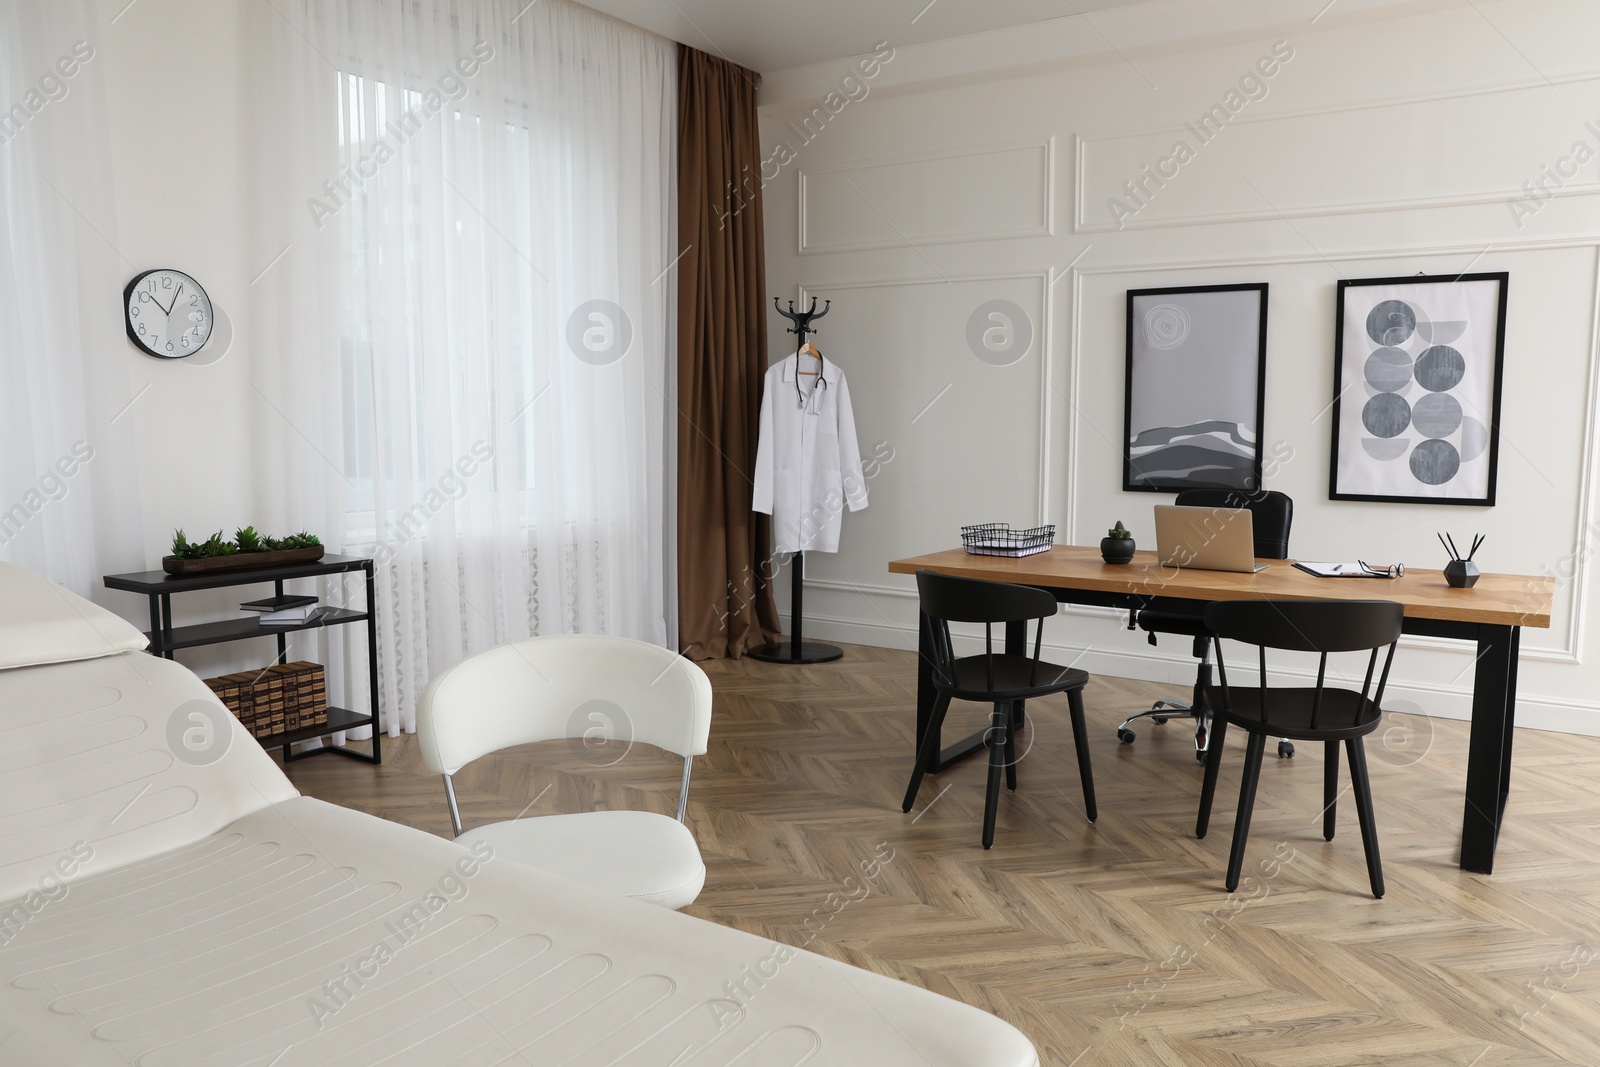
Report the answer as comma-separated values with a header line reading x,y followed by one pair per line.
x,y
572,685
1320,626
953,599
945,599
1271,515
1308,625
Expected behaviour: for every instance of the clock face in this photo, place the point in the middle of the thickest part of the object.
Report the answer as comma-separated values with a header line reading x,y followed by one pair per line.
x,y
168,314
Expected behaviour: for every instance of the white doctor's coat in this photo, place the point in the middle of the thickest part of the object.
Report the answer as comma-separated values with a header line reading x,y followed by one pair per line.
x,y
808,465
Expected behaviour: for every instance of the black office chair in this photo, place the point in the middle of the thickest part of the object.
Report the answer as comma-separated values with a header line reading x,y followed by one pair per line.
x,y
1317,713
1006,681
1271,515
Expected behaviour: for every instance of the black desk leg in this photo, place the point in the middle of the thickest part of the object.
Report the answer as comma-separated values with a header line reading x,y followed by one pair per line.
x,y
1494,705
1017,639
1017,645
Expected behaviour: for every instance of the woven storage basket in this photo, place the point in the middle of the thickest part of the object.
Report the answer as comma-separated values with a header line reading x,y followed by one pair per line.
x,y
999,539
283,697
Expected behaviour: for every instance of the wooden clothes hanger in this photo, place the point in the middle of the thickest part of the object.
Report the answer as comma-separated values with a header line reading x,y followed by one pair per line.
x,y
809,349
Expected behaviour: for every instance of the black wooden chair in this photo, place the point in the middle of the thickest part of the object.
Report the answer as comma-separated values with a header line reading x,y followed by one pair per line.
x,y
1271,515
1317,713
1006,681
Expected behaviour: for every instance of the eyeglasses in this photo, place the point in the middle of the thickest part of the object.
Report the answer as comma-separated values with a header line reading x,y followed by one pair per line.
x,y
1391,570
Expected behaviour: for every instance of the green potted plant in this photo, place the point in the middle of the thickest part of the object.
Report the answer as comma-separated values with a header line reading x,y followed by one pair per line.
x,y
1117,546
247,550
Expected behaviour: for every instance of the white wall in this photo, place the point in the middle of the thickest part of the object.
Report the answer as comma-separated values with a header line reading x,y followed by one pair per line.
x,y
177,145
1391,143
176,151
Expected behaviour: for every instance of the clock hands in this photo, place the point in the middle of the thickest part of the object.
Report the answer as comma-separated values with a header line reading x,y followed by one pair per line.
x,y
190,332
167,311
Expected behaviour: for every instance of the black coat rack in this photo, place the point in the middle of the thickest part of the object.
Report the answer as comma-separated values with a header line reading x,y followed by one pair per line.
x,y
796,650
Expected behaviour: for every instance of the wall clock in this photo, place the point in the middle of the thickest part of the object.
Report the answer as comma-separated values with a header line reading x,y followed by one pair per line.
x,y
168,314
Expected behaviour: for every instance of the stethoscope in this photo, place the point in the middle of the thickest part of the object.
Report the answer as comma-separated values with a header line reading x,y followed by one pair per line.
x,y
822,381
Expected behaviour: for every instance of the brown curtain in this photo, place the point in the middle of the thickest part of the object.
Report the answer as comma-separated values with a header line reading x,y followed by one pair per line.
x,y
725,604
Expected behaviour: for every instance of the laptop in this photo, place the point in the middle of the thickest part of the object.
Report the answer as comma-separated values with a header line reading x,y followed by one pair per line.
x,y
1207,539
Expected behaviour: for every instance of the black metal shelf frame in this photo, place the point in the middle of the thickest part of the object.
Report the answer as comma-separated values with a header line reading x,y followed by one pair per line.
x,y
166,639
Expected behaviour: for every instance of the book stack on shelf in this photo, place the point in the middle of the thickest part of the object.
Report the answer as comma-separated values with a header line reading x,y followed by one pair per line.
x,y
999,539
285,610
281,698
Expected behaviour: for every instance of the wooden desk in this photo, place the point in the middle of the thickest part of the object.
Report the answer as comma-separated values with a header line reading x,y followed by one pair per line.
x,y
1492,614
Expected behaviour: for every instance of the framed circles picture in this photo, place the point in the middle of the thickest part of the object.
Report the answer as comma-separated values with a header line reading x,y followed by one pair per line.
x,y
1416,401
1197,366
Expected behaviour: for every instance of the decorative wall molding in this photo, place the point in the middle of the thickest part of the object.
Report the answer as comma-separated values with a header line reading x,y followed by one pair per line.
x,y
1046,149
1082,143
1392,251
1044,342
896,592
1591,463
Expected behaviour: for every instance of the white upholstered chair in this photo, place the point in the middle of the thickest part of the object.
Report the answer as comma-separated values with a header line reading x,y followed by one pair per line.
x,y
588,687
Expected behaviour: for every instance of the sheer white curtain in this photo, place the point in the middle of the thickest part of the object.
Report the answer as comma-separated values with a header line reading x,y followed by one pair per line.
x,y
465,345
69,505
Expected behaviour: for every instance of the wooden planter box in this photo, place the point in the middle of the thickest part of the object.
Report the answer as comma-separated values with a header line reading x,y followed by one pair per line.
x,y
240,561
283,697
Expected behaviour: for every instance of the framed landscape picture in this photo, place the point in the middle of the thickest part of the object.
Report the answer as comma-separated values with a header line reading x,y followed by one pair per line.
x,y
1197,366
1416,402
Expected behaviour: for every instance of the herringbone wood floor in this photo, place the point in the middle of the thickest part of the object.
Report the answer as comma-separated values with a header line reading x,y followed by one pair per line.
x,y
1112,943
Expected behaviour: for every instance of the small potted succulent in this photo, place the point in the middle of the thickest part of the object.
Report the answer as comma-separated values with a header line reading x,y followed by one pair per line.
x,y
1117,545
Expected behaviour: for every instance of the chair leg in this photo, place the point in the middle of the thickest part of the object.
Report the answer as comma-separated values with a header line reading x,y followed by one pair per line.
x,y
998,734
1369,825
1330,788
1208,787
1080,740
1247,803
1011,745
929,749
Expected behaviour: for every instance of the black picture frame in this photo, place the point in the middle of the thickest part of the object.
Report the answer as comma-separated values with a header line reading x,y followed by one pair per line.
x,y
1352,460
1236,465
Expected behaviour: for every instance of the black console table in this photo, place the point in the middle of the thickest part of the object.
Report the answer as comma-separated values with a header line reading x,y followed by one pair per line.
x,y
165,638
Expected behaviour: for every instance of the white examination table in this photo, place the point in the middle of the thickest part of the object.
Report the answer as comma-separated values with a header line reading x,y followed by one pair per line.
x,y
159,912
